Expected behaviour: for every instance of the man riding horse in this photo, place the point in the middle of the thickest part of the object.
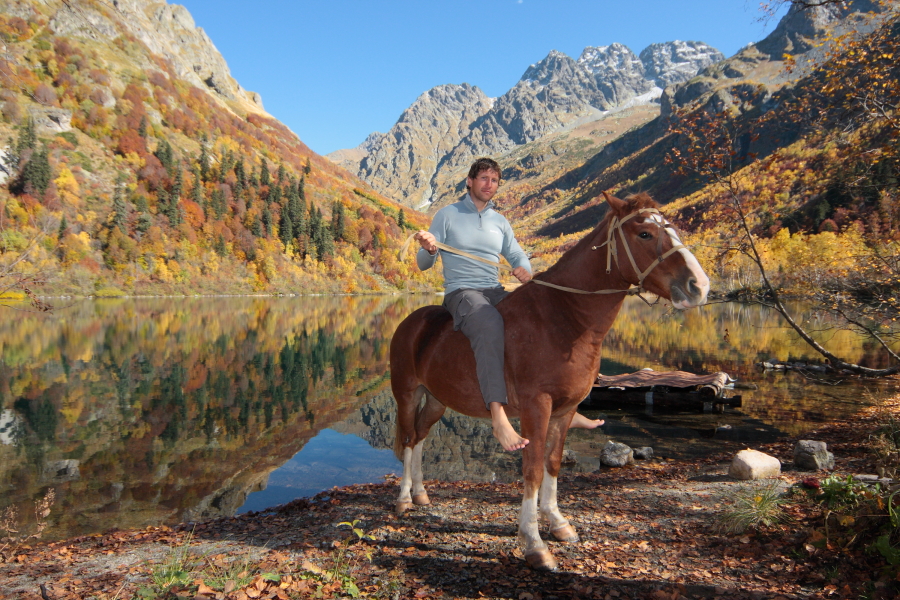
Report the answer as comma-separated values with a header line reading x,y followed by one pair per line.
x,y
472,289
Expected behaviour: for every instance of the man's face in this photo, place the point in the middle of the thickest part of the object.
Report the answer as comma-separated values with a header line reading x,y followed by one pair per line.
x,y
484,186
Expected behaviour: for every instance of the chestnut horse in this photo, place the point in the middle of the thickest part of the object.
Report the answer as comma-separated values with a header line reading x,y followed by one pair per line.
x,y
553,337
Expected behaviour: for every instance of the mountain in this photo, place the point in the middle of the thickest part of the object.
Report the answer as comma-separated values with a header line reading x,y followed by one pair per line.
x,y
168,31
784,126
405,159
134,163
556,94
676,62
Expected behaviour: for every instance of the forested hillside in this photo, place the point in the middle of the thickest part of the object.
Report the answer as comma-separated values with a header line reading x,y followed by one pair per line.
x,y
802,151
122,175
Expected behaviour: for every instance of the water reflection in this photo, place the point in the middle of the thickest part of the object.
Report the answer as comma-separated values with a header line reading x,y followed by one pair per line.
x,y
147,411
160,410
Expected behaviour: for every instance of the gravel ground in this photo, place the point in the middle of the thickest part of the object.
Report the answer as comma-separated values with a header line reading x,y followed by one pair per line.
x,y
647,531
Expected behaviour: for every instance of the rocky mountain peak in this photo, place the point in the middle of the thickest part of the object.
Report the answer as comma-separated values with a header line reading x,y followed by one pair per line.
x,y
405,159
610,61
677,61
553,67
168,30
617,71
555,92
799,29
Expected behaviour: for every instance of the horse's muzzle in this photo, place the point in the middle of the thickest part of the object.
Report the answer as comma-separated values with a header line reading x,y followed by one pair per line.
x,y
692,293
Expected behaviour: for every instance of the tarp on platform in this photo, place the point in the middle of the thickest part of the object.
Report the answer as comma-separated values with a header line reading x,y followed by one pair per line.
x,y
648,378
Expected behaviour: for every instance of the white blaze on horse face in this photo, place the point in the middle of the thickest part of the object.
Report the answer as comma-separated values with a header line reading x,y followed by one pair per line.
x,y
701,281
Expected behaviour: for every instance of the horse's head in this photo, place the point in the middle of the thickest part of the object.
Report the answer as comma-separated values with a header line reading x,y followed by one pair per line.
x,y
649,254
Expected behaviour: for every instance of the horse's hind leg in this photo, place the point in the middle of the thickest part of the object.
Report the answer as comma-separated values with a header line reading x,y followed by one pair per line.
x,y
428,415
549,508
412,458
412,488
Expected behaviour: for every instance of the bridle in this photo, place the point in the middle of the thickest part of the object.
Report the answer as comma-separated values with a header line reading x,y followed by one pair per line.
x,y
615,225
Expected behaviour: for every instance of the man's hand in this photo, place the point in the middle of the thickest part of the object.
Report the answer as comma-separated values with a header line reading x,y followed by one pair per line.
x,y
522,274
427,241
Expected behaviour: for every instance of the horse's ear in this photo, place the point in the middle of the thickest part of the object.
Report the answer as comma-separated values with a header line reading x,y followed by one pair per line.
x,y
614,203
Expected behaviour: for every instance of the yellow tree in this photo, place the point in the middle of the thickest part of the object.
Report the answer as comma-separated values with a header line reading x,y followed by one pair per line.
x,y
851,100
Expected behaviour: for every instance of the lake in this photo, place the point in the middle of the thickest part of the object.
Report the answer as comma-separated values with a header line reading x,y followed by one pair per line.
x,y
159,410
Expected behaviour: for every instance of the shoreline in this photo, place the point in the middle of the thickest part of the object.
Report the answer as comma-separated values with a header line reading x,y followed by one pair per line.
x,y
647,531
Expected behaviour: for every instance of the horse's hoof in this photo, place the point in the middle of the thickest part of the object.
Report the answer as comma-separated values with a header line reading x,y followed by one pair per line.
x,y
421,499
565,534
402,507
541,560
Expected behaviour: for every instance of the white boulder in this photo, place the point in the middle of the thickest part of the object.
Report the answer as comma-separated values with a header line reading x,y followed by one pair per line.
x,y
752,464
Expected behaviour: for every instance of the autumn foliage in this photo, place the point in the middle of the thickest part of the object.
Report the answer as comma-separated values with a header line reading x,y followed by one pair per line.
x,y
161,188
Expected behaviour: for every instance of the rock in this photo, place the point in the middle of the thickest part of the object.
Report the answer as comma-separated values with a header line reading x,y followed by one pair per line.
x,y
752,464
60,471
568,457
643,453
811,455
615,454
52,120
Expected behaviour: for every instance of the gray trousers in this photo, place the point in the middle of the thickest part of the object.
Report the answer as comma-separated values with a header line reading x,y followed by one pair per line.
x,y
474,314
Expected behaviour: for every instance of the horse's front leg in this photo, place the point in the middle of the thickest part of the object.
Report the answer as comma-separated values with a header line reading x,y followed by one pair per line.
x,y
535,416
549,509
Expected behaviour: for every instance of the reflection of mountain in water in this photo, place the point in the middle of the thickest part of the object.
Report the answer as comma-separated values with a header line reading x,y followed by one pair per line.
x,y
458,447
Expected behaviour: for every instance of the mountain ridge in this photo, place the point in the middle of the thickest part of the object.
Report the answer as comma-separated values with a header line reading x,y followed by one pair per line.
x,y
551,95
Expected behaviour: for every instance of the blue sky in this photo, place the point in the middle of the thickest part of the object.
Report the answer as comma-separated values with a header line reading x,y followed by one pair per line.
x,y
336,70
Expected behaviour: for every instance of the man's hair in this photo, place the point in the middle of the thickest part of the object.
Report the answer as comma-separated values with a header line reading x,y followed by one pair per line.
x,y
484,164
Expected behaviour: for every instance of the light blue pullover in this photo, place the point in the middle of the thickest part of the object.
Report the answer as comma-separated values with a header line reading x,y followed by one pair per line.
x,y
486,234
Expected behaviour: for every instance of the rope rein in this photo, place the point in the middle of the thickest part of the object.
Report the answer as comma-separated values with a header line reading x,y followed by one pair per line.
x,y
616,224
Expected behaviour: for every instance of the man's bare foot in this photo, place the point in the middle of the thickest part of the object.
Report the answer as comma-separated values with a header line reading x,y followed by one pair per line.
x,y
580,421
503,429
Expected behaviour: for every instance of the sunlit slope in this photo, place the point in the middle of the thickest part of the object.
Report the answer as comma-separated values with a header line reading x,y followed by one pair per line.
x,y
140,166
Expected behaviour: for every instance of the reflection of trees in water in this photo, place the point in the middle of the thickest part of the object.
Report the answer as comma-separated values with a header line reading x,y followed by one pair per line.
x,y
174,412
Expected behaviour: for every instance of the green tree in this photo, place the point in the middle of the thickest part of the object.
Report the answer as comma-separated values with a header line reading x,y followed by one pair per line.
x,y
203,161
337,220
286,230
37,173
239,172
264,177
267,221
63,226
177,185
27,139
120,207
165,155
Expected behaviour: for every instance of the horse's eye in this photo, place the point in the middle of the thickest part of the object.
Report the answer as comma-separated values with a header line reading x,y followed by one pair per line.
x,y
645,235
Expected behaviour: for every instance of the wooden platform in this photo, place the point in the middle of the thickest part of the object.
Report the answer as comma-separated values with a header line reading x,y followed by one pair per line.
x,y
663,389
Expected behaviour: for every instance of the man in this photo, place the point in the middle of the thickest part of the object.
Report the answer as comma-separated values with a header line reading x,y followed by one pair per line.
x,y
472,289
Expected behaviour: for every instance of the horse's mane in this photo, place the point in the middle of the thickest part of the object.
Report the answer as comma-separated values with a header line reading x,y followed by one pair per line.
x,y
633,202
